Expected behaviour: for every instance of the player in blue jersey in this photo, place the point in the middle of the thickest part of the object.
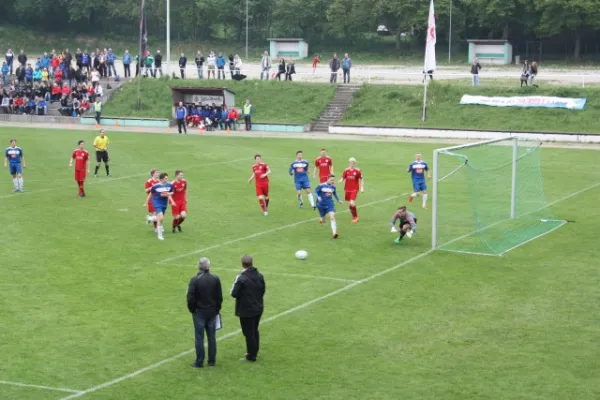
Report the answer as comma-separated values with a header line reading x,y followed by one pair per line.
x,y
419,172
299,170
160,194
15,160
408,223
325,193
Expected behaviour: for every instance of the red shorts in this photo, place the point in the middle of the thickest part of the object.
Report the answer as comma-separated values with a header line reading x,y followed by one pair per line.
x,y
323,179
150,207
80,175
179,208
351,195
262,190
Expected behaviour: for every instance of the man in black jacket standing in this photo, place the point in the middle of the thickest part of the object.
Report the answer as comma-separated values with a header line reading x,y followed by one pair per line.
x,y
157,65
249,290
204,299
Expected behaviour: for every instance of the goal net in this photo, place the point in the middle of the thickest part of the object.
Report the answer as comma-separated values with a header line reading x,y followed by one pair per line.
x,y
488,197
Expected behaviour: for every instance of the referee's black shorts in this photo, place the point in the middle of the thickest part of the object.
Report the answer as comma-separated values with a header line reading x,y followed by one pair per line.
x,y
102,156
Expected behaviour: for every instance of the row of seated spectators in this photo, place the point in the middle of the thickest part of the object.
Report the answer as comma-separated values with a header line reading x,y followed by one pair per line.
x,y
75,100
211,116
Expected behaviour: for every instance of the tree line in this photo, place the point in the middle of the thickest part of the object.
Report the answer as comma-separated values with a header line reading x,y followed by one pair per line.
x,y
568,26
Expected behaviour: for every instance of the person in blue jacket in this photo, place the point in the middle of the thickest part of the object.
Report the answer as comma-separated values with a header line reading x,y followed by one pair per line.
x,y
29,74
127,64
224,117
5,71
221,66
180,114
110,62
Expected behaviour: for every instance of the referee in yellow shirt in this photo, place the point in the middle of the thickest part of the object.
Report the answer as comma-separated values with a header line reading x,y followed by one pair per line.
x,y
101,145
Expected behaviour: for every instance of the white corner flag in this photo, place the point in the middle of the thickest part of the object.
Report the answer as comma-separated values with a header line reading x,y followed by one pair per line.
x,y
430,43
429,56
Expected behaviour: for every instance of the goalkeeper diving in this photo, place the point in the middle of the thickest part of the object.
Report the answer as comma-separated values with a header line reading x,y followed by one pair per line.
x,y
408,223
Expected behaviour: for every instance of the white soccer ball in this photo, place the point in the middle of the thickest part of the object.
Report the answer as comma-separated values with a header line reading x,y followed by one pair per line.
x,y
301,254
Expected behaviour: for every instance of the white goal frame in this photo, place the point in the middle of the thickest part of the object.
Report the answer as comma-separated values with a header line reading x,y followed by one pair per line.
x,y
436,177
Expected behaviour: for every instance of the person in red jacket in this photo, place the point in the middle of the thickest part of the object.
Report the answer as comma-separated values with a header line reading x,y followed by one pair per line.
x,y
316,60
54,63
66,90
56,92
233,117
58,76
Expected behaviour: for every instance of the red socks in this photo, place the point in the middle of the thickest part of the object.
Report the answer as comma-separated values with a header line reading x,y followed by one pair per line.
x,y
262,205
80,184
178,221
353,212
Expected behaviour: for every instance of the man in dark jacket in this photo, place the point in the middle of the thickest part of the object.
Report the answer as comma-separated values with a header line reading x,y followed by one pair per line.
x,y
204,299
22,58
157,65
249,290
334,65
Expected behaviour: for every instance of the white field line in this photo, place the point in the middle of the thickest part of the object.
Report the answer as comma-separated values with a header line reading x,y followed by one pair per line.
x,y
27,385
267,272
108,180
255,235
533,238
234,333
284,313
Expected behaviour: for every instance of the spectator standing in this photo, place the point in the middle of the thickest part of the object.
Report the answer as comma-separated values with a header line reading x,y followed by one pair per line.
x,y
85,61
265,65
98,108
249,290
45,61
95,77
102,61
247,110
237,64
157,64
54,64
180,114
9,57
22,58
69,58
475,67
212,64
280,68
79,58
533,71
204,300
231,65
290,70
148,63
37,75
45,76
110,62
199,64
29,74
334,66
127,64
5,71
182,64
346,65
221,66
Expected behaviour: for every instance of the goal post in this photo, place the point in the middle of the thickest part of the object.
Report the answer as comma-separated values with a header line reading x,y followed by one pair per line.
x,y
488,197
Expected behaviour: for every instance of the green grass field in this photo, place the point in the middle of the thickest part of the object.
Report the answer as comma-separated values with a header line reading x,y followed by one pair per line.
x,y
93,303
374,104
273,101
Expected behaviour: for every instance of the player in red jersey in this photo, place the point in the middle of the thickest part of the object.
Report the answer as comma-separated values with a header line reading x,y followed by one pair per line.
x,y
325,166
260,173
179,209
82,165
154,172
354,181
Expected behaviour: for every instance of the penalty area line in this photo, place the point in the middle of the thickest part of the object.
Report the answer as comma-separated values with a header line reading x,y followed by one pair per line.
x,y
267,272
262,233
28,385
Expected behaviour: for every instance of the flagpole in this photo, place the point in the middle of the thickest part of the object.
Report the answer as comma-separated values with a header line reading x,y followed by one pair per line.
x,y
168,38
430,64
140,56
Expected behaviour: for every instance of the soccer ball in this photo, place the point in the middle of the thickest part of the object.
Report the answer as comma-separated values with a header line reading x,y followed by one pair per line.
x,y
301,254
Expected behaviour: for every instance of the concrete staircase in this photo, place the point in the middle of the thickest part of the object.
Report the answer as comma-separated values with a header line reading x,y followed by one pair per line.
x,y
344,96
53,108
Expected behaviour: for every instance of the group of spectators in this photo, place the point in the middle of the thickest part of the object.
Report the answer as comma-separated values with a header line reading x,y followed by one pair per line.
x,y
31,85
215,65
210,116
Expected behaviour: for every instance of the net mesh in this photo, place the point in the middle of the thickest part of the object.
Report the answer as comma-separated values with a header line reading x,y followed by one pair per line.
x,y
474,199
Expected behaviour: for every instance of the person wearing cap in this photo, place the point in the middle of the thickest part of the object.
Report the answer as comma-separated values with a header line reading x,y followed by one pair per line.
x,y
204,300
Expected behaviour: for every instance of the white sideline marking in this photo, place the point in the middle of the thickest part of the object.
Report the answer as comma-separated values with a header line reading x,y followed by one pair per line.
x,y
266,321
254,235
40,387
266,272
99,182
533,238
284,313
